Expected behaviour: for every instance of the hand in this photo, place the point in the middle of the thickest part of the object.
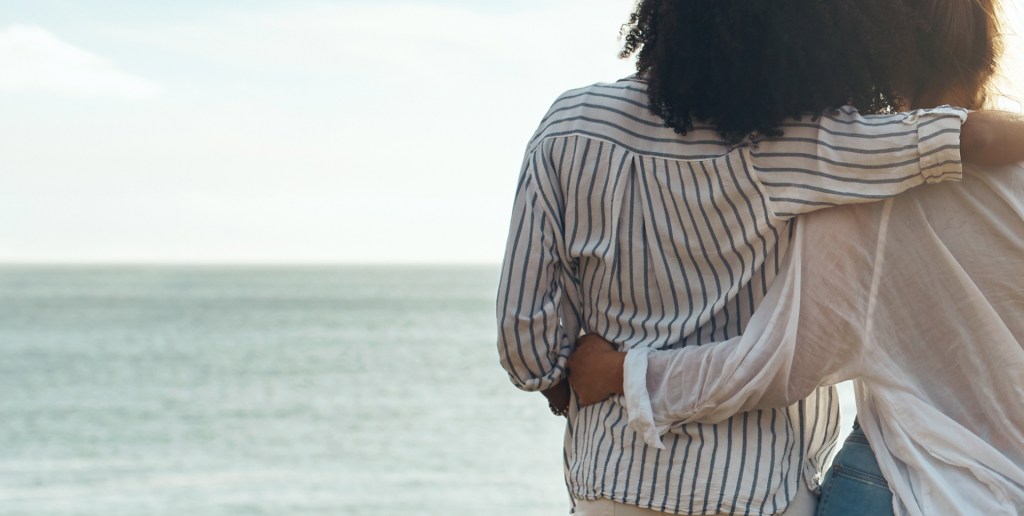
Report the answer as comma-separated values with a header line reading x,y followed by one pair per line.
x,y
558,398
595,370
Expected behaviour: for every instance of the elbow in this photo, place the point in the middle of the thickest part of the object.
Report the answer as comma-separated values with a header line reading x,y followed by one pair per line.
x,y
796,393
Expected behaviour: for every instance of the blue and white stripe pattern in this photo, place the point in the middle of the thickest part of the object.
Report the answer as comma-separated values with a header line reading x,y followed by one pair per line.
x,y
623,228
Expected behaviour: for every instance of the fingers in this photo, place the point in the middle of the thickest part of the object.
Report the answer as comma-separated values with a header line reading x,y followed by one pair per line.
x,y
558,398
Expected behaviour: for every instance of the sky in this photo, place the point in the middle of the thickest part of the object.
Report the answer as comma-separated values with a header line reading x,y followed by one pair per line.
x,y
280,131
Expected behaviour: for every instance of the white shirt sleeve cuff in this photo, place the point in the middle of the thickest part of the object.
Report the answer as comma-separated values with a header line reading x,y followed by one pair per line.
x,y
638,401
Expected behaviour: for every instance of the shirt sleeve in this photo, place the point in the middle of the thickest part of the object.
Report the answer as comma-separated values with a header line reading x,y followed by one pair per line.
x,y
807,332
538,318
846,158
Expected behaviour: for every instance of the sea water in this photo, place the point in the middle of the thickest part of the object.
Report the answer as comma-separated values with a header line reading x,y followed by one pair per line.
x,y
223,391
265,391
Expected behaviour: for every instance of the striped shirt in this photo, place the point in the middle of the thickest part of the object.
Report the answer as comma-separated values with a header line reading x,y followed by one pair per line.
x,y
623,228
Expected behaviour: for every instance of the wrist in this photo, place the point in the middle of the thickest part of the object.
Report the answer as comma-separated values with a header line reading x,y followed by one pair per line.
x,y
558,398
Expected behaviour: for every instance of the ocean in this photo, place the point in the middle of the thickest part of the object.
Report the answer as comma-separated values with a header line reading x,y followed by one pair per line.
x,y
277,391
208,391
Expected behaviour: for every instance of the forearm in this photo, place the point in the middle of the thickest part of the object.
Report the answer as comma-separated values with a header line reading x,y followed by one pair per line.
x,y
535,360
700,383
713,382
992,138
847,158
797,340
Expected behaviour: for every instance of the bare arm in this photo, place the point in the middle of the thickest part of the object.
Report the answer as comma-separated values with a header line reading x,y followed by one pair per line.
x,y
992,138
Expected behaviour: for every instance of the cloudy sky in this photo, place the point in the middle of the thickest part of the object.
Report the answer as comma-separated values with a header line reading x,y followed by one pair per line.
x,y
360,131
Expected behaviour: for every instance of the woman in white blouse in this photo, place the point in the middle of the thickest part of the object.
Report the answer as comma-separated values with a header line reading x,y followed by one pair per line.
x,y
919,300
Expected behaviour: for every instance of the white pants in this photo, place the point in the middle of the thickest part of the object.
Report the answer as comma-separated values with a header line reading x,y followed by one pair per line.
x,y
804,504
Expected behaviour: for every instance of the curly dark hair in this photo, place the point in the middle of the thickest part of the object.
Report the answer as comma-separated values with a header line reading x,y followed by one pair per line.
x,y
744,66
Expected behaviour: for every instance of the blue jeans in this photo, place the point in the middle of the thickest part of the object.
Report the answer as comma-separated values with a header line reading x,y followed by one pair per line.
x,y
855,485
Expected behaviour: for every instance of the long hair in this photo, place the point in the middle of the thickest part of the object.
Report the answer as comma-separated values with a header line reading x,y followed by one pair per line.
x,y
960,49
744,66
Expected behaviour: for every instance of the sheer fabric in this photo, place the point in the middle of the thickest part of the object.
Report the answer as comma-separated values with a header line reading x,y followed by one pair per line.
x,y
920,300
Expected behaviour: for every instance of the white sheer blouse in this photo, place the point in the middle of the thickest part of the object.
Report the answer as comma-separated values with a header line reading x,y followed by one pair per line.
x,y
920,300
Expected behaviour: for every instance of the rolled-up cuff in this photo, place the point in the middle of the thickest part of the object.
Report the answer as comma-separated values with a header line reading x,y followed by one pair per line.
x,y
638,401
938,133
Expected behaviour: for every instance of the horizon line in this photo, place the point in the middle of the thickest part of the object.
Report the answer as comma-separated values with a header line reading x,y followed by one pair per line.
x,y
200,263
